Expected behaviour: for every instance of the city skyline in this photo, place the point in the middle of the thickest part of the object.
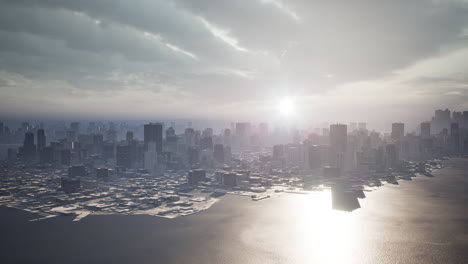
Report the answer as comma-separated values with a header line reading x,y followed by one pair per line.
x,y
234,131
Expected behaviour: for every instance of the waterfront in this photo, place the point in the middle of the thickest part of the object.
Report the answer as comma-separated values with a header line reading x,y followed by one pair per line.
x,y
423,220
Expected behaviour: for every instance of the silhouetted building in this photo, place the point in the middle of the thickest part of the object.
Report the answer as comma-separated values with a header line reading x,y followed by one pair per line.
x,y
425,130
455,137
315,157
338,145
153,132
77,171
65,157
278,152
41,139
29,149
229,179
193,156
46,155
70,185
75,126
338,137
218,153
391,156
206,143
102,174
129,136
441,120
108,151
123,156
151,157
398,131
98,143
195,176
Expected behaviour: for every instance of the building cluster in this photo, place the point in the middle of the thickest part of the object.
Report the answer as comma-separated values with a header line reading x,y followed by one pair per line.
x,y
129,168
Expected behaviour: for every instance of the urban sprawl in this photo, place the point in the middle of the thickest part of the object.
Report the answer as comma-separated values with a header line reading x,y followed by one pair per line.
x,y
79,168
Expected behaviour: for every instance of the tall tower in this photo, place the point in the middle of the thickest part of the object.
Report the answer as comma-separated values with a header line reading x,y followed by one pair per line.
x,y
41,139
29,149
338,144
398,131
153,132
338,137
425,130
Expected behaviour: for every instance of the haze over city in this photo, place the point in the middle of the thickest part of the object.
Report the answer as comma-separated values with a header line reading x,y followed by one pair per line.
x,y
234,131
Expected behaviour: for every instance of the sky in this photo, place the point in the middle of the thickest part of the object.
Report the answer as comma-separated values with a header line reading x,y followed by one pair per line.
x,y
362,60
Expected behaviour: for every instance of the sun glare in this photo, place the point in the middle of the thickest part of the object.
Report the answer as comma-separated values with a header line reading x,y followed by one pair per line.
x,y
286,107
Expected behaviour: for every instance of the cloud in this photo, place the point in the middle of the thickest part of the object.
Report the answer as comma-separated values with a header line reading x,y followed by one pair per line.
x,y
205,58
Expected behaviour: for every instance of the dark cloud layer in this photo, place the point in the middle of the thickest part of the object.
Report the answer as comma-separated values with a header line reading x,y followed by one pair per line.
x,y
219,52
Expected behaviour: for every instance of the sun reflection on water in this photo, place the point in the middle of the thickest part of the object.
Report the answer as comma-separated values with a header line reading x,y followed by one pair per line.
x,y
322,235
303,229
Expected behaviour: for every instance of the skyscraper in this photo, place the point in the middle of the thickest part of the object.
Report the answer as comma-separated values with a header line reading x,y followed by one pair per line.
x,y
338,144
455,137
440,120
41,139
29,149
398,131
151,157
129,136
219,153
338,137
123,156
315,157
75,126
425,130
153,132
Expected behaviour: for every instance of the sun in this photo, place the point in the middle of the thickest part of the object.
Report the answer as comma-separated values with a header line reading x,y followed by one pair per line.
x,y
286,107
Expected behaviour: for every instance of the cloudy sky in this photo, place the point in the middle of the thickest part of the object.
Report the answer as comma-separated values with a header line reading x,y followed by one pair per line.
x,y
224,59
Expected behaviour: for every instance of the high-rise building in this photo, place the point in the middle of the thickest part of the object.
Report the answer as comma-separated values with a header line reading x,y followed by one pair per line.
x,y
123,156
425,130
398,131
391,156
455,137
242,129
46,155
315,157
41,139
153,132
102,173
29,149
278,152
70,185
464,123
151,157
75,126
457,117
227,137
338,137
196,175
338,144
362,126
218,153
65,157
77,171
441,120
129,136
